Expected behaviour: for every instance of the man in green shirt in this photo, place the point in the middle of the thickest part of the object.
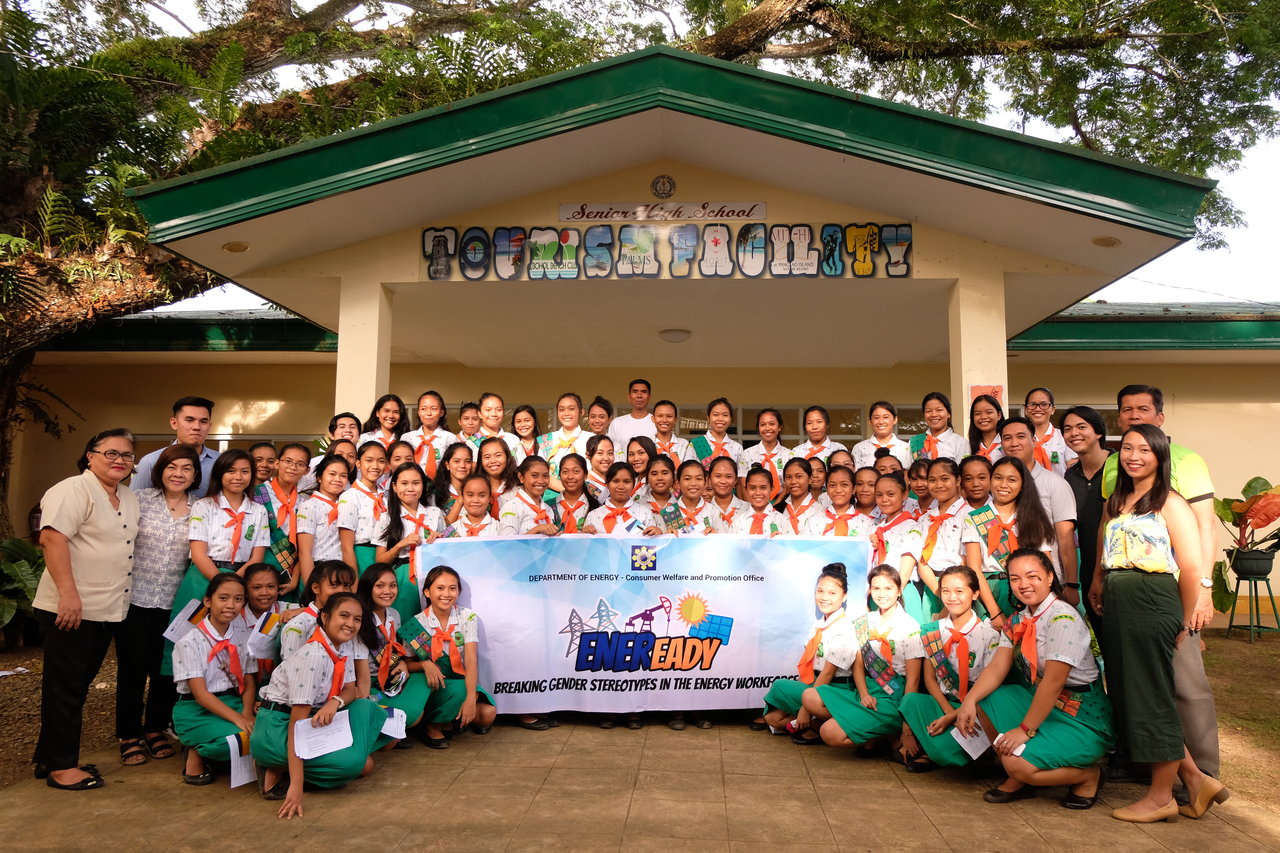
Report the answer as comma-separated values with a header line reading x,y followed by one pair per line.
x,y
1144,404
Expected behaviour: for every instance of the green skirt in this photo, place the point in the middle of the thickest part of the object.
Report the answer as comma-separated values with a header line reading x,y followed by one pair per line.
x,y
1062,740
412,698
1002,593
203,731
270,744
408,597
785,695
921,709
445,702
920,602
366,556
863,724
193,587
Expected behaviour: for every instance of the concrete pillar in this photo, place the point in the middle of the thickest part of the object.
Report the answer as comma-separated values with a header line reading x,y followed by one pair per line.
x,y
977,336
364,345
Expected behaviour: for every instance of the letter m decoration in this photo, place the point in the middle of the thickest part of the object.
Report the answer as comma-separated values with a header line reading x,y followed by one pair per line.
x,y
644,558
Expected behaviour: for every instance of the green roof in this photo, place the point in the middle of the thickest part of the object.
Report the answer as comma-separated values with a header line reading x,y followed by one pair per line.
x,y
664,78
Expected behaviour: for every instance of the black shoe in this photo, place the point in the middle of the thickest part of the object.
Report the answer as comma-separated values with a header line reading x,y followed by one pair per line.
x,y
403,743
42,770
995,795
435,742
1079,803
800,739
202,778
1119,770
919,765
537,724
757,725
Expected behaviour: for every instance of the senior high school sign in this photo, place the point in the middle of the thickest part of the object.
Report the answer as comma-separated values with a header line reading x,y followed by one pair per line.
x,y
650,240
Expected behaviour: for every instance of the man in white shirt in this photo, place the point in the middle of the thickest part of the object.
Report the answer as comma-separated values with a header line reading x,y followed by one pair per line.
x,y
1017,439
637,422
192,418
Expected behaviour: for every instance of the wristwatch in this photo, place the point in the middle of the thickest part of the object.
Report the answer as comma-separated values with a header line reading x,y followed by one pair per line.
x,y
1071,585
1030,732
341,703
1206,583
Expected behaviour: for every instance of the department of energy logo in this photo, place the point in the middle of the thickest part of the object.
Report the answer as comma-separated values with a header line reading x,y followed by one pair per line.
x,y
644,558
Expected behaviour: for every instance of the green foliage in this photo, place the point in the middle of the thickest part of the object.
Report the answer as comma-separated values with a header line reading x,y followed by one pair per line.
x,y
21,565
1224,598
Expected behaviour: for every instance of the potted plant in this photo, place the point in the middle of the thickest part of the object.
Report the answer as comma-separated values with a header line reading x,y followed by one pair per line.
x,y
1259,507
21,565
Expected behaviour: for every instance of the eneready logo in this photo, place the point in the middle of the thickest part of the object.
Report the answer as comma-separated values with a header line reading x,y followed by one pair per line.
x,y
602,647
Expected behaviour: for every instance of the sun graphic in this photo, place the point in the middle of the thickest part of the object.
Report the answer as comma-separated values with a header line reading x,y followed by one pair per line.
x,y
692,608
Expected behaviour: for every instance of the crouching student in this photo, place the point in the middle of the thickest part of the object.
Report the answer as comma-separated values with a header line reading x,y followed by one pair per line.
x,y
833,632
445,638
394,686
886,669
329,578
957,648
1052,726
213,673
315,683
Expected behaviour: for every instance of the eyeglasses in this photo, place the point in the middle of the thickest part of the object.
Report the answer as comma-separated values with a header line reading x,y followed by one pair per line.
x,y
1039,405
115,455
292,463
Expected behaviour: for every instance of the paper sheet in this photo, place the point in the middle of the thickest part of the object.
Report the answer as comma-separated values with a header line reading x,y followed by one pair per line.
x,y
311,741
182,623
394,726
975,745
1022,747
242,772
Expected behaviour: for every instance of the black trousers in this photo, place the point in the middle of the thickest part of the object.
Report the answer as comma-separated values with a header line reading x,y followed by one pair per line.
x,y
139,651
71,662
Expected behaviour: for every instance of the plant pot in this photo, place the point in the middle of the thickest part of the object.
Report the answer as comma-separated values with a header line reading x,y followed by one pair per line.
x,y
1251,564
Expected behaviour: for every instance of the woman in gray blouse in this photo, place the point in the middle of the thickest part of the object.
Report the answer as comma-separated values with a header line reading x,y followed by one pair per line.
x,y
160,558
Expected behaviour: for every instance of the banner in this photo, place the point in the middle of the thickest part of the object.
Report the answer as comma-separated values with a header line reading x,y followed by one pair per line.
x,y
620,624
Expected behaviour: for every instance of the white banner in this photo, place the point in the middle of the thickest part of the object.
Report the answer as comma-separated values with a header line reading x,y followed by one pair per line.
x,y
596,623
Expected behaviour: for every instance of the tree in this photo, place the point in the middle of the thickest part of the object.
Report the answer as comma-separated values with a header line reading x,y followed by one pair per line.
x,y
96,97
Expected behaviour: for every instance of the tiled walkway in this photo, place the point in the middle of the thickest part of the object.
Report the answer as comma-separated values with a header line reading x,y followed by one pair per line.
x,y
577,789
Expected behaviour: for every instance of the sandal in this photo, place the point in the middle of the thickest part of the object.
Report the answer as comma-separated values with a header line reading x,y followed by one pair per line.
x,y
278,791
158,746
131,752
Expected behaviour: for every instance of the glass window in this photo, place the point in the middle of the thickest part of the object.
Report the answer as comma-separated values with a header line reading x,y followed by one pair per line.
x,y
910,420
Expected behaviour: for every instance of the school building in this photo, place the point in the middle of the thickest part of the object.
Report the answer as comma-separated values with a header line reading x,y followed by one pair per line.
x,y
718,230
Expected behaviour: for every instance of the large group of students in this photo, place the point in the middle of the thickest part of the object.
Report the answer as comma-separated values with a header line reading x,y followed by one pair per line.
x,y
294,586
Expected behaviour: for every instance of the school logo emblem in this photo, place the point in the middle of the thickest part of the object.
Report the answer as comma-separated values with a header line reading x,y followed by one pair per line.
x,y
663,186
644,558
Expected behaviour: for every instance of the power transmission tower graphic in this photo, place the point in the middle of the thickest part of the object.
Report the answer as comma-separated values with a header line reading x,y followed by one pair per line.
x,y
605,615
574,630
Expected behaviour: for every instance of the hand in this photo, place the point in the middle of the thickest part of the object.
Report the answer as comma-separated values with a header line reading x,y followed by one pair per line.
x,y
69,610
997,622
1095,595
325,715
246,723
291,806
1204,610
435,678
653,530
1071,595
943,723
1010,741
432,535
468,711
400,667
803,717
910,746
966,718
588,528
868,701
1182,635
413,540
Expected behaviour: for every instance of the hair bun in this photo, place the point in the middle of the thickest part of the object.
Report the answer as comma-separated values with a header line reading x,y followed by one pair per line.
x,y
836,569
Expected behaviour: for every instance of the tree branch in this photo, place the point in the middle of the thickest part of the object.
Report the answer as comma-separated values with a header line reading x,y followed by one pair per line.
x,y
181,23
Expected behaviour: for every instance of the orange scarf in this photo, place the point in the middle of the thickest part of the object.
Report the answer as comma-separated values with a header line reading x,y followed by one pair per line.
x,y
766,462
440,639
996,530
473,529
615,513
931,538
1023,635
1041,454
392,645
839,524
233,657
339,662
419,524
425,453
717,447
815,449
540,514
810,653
568,513
795,514
236,522
333,508
881,548
886,647
668,449
930,446
287,510
985,450
757,523
959,640
379,505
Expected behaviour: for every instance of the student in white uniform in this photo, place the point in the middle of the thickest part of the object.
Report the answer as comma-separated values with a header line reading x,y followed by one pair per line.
x,y
1051,451
525,427
638,421
940,439
495,461
985,415
361,507
474,519
640,452
432,436
897,537
760,518
818,444
883,417
600,455
716,441
599,416
457,463
575,501
523,512
317,682
620,515
696,513
408,524
843,518
214,676
659,492
665,418
329,578
942,525
387,423
318,529
469,425
768,452
569,438
724,504
975,481
800,502
492,412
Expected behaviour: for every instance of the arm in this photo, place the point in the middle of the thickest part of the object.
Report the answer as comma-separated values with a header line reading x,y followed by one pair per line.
x,y
471,660
1203,511
363,678
390,554
57,561
200,556
216,706
992,677
348,539
1066,536
306,543
860,682
257,555
1095,586
829,671
1055,677
934,689
973,559
292,804
1184,534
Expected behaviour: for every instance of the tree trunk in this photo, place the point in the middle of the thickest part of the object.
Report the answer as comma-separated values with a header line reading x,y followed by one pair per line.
x,y
12,372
